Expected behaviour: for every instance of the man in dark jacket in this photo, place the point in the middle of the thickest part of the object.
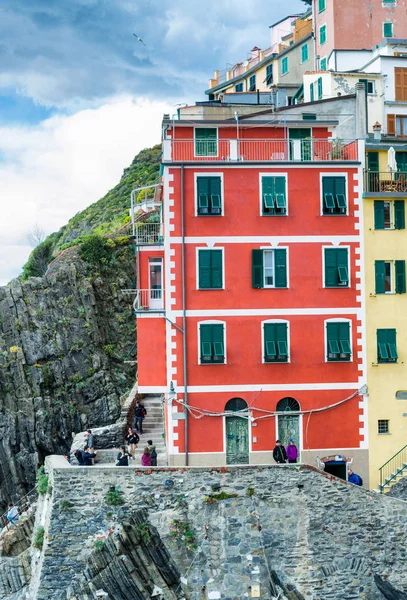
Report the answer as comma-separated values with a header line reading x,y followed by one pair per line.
x,y
354,478
139,414
279,453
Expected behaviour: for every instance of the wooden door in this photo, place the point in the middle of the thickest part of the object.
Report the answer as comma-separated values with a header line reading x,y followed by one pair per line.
x,y
289,428
237,440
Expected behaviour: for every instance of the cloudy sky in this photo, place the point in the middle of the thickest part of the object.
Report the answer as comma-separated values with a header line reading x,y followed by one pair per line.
x,y
80,96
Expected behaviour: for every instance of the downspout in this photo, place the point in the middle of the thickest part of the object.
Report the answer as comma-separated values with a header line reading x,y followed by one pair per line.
x,y
184,316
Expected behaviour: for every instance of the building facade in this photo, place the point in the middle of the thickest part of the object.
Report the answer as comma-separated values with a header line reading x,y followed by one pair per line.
x,y
252,321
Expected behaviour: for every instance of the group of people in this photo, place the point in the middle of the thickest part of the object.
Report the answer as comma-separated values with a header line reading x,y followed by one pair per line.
x,y
149,456
86,456
288,454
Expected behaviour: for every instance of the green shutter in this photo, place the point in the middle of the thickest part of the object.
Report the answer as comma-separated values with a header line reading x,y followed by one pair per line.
x,y
373,162
400,276
338,341
257,269
218,342
204,269
319,88
332,340
203,194
321,5
311,92
328,193
331,268
340,192
387,30
281,338
216,269
379,276
206,142
399,217
344,338
304,53
280,266
279,192
379,214
212,343
386,345
322,34
270,349
275,342
342,262
205,332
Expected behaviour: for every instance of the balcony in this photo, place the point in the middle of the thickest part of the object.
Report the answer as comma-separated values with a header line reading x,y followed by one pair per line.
x,y
259,150
151,300
148,234
386,183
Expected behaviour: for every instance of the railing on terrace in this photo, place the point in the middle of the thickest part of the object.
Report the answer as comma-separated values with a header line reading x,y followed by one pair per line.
x,y
250,150
148,233
151,300
393,468
385,181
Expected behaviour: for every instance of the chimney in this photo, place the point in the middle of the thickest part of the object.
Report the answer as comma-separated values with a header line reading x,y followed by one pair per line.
x,y
377,129
361,111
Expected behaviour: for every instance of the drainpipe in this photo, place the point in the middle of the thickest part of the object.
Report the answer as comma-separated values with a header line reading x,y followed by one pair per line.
x,y
184,316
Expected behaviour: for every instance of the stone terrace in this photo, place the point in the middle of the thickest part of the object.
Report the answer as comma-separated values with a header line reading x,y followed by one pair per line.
x,y
301,534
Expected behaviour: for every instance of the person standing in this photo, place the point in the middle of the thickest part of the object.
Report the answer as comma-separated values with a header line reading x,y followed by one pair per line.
x,y
90,443
354,478
146,458
279,453
139,414
123,457
153,453
132,440
292,451
12,514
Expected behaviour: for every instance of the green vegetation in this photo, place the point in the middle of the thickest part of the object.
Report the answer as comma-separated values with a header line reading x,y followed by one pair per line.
x,y
144,532
42,481
38,540
108,214
114,496
65,505
181,531
99,544
96,250
214,498
250,491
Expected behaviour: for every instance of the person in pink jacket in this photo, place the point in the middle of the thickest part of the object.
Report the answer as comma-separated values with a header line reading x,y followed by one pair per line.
x,y
292,452
146,458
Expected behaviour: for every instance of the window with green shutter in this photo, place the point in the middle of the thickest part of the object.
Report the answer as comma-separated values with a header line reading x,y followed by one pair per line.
x,y
387,30
399,215
269,74
274,196
322,34
321,5
210,269
206,141
209,197
252,83
323,64
284,65
311,92
338,343
334,196
269,268
304,53
320,91
386,346
336,267
275,348
212,343
400,271
239,87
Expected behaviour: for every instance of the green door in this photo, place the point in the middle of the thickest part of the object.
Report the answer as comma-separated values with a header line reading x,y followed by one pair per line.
x,y
372,183
289,428
237,441
304,135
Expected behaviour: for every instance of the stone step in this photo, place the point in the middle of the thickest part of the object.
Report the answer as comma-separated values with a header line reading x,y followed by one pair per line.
x,y
107,457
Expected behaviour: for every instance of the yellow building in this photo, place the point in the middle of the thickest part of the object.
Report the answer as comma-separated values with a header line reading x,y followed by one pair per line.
x,y
385,252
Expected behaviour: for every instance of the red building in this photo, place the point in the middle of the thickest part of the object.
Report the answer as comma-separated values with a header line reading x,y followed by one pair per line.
x,y
250,305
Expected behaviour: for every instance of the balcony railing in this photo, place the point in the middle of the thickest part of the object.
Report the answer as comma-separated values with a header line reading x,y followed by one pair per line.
x,y
148,233
386,181
253,150
151,300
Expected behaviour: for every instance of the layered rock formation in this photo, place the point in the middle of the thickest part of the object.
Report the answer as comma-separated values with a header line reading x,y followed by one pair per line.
x,y
64,340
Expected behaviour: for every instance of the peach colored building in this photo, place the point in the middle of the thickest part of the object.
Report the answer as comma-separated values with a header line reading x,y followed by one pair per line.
x,y
346,24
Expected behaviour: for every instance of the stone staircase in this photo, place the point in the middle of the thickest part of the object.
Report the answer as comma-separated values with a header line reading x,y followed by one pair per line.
x,y
153,429
393,470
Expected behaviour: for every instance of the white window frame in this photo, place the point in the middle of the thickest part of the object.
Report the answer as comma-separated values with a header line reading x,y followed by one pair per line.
x,y
272,322
213,156
391,205
198,249
273,174
287,265
348,287
338,320
373,82
392,276
211,322
288,66
209,174
321,194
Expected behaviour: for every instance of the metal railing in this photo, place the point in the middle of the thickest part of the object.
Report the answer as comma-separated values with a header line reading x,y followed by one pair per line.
x,y
148,233
151,300
386,181
393,468
267,150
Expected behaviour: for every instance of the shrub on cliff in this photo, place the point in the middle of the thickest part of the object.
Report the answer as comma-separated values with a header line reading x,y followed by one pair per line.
x,y
95,249
39,260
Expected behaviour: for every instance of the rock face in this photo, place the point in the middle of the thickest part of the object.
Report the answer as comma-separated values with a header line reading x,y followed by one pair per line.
x,y
63,342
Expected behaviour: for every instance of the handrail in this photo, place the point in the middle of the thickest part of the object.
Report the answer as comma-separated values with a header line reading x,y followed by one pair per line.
x,y
386,468
21,502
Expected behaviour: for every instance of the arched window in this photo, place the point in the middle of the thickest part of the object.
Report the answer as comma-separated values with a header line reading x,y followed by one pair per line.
x,y
288,405
235,404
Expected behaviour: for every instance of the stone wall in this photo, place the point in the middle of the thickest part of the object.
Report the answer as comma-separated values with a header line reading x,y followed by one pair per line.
x,y
289,530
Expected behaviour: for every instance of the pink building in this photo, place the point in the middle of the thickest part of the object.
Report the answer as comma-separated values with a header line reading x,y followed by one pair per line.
x,y
351,25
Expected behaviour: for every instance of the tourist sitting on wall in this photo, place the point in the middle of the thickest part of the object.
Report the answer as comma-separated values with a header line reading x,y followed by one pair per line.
x,y
279,453
132,440
12,514
353,478
146,458
123,457
292,452
84,458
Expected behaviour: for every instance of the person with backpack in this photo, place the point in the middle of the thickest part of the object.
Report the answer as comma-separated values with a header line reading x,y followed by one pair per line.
x,y
354,478
153,453
132,440
279,453
139,414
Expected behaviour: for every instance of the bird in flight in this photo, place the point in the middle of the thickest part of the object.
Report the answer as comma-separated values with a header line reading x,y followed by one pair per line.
x,y
139,38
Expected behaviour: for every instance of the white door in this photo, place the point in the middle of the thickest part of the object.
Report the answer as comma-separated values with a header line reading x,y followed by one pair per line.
x,y
156,299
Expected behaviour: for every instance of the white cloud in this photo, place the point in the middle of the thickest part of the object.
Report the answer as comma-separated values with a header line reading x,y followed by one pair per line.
x,y
52,171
